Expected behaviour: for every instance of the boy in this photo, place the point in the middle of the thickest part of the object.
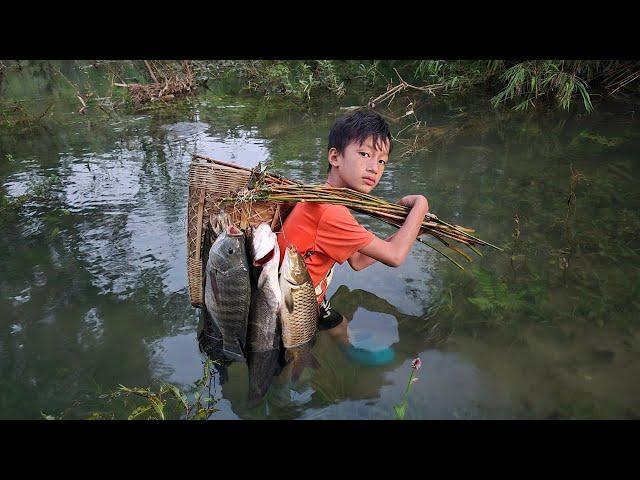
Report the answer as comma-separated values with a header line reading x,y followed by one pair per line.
x,y
358,150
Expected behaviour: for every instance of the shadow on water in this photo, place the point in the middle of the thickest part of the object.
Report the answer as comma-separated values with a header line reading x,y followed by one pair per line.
x,y
353,361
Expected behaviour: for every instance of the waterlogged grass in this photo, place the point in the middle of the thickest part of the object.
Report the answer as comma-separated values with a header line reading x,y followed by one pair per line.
x,y
162,402
559,257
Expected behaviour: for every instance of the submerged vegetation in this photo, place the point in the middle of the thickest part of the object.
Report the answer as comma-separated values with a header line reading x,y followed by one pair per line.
x,y
164,402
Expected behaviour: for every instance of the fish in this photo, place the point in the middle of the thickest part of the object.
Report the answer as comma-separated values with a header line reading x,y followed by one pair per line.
x,y
210,343
228,290
264,357
298,311
263,367
266,298
297,359
219,222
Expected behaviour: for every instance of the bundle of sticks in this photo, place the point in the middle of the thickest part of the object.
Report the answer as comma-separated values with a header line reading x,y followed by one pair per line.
x,y
282,190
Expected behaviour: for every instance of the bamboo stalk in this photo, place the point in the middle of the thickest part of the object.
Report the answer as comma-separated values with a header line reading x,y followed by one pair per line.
x,y
281,190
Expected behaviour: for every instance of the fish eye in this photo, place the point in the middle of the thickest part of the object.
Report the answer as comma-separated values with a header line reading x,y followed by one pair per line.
x,y
230,251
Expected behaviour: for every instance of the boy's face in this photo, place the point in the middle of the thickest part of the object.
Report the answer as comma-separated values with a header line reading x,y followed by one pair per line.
x,y
359,167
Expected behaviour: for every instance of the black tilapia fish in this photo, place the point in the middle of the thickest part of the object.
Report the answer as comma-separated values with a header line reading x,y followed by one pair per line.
x,y
210,343
228,291
298,311
264,358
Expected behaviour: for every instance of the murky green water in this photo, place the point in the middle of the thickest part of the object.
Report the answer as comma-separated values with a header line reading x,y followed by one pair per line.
x,y
93,282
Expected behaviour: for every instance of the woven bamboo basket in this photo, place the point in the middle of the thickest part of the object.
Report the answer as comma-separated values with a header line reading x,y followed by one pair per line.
x,y
209,181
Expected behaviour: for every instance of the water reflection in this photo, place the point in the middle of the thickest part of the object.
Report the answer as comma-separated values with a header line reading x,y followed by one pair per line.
x,y
354,359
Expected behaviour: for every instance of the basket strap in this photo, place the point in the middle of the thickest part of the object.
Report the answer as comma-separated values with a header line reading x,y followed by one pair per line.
x,y
276,217
326,280
199,219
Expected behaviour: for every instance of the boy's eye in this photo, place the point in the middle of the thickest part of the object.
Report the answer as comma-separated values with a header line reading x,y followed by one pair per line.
x,y
382,162
364,154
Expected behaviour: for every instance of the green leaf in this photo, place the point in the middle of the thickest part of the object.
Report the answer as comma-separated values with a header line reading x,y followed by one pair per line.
x,y
178,394
158,406
139,411
400,411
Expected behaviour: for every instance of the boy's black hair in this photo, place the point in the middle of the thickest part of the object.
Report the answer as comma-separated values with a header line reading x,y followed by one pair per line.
x,y
359,126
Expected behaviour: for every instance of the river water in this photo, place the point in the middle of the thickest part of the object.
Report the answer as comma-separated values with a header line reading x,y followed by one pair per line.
x,y
93,279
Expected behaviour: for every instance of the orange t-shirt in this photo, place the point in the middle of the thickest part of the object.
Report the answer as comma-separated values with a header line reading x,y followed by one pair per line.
x,y
330,231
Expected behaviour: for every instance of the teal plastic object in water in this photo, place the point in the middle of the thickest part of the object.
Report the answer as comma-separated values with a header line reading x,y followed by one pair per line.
x,y
370,357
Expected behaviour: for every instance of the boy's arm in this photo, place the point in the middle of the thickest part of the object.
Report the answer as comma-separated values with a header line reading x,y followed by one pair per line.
x,y
394,249
358,260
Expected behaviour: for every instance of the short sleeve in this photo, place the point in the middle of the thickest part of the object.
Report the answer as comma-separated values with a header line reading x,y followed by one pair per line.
x,y
339,235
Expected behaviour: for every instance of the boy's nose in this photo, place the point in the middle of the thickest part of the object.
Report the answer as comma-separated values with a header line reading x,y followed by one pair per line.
x,y
372,166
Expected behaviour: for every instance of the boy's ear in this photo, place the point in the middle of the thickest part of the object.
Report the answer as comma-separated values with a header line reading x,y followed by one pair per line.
x,y
332,157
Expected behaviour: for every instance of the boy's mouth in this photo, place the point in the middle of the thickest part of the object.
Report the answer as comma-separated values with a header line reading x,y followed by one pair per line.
x,y
369,180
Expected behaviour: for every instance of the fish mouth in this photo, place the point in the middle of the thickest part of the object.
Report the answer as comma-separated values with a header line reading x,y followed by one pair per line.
x,y
259,262
234,231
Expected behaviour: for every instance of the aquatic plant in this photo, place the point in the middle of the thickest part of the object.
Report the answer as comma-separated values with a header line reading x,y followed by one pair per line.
x,y
168,400
401,408
527,81
568,251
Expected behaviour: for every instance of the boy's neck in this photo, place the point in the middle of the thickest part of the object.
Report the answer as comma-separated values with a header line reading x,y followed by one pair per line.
x,y
334,180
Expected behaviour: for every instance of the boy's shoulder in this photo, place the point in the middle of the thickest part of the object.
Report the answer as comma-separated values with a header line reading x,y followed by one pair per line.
x,y
323,215
317,209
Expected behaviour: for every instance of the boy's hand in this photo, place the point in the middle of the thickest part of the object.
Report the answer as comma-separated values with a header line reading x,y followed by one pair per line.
x,y
411,200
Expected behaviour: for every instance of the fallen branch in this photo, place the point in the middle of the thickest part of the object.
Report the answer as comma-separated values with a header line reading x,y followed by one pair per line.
x,y
173,85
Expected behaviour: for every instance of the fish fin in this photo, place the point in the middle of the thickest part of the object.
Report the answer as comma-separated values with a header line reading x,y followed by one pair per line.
x,y
214,287
297,368
288,302
304,360
310,361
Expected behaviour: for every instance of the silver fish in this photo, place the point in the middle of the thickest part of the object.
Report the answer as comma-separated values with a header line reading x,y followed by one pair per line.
x,y
228,290
265,306
264,356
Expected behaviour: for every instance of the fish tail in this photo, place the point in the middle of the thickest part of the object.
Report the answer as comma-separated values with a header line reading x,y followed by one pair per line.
x,y
304,360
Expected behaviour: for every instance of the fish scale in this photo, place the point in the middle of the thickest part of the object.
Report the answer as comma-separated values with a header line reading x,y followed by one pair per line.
x,y
228,291
302,327
299,309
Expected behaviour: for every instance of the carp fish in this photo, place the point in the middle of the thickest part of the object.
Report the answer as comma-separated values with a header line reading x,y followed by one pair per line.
x,y
228,290
298,311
